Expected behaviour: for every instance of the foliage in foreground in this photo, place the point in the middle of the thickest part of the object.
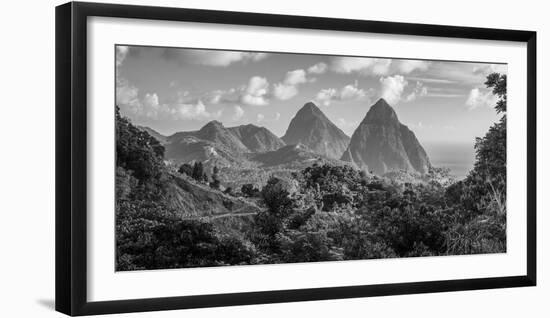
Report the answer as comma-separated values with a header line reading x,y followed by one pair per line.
x,y
321,213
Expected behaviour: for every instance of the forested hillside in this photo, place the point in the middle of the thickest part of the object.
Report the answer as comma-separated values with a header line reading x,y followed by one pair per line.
x,y
188,217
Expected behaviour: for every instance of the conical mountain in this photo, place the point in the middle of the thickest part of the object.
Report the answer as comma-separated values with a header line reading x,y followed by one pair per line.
x,y
257,139
312,128
381,143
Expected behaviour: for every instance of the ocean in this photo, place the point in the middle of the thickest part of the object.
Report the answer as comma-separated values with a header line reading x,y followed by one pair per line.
x,y
459,157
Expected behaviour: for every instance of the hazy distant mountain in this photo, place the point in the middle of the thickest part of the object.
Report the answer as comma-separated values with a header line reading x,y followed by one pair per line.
x,y
257,139
158,136
381,143
312,128
296,156
285,155
215,132
189,148
215,144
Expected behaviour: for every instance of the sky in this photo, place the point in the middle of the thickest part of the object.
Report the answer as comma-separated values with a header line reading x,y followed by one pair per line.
x,y
181,89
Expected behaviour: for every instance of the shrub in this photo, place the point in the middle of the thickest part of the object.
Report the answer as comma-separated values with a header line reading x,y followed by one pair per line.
x,y
249,190
186,169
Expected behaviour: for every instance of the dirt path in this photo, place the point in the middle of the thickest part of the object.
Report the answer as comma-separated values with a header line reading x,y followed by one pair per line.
x,y
219,216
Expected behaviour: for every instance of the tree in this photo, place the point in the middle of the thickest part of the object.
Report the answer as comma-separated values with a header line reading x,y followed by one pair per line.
x,y
277,198
198,172
488,178
497,82
186,169
479,201
215,184
137,151
491,149
249,190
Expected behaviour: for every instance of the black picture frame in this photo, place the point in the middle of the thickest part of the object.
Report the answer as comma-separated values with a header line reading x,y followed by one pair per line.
x,y
71,157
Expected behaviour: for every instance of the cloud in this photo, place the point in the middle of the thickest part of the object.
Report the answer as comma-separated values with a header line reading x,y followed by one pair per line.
x,y
151,100
284,92
348,92
192,111
352,92
369,66
319,68
219,96
419,91
260,118
478,98
288,88
408,66
361,65
325,96
392,88
277,116
255,93
121,53
444,95
431,80
486,69
150,107
126,94
212,57
470,74
238,112
295,77
447,92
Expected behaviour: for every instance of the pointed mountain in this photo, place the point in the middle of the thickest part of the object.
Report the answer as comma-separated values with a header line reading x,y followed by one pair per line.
x,y
381,143
257,139
313,129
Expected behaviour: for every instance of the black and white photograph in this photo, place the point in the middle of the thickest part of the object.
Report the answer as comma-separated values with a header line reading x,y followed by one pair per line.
x,y
249,159
242,158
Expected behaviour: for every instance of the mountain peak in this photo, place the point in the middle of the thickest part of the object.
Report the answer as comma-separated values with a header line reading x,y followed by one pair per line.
x,y
257,138
382,101
213,123
382,144
313,129
381,112
310,107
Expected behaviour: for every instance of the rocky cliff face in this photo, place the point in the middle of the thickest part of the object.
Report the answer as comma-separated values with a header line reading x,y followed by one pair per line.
x,y
313,129
381,143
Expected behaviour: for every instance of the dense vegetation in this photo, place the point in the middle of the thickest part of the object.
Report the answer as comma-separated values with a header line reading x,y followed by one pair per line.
x,y
320,213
